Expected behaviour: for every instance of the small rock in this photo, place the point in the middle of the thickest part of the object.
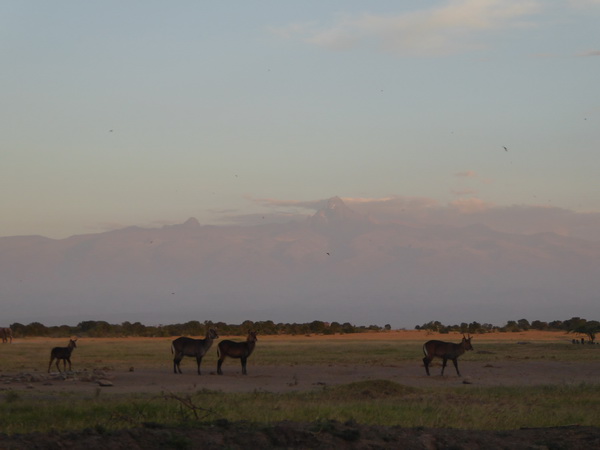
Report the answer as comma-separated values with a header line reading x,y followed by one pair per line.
x,y
105,383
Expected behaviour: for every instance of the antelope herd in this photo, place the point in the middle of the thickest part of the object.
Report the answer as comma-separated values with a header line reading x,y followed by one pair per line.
x,y
185,346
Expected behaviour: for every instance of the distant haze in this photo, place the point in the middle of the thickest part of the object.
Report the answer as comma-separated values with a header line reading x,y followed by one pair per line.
x,y
338,264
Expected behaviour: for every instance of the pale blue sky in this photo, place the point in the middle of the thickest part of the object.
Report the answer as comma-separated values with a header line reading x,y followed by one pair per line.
x,y
119,113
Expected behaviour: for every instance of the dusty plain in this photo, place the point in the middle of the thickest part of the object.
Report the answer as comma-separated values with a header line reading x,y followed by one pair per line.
x,y
285,364
498,359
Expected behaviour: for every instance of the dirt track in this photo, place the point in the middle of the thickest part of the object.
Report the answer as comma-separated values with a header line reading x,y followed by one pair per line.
x,y
300,378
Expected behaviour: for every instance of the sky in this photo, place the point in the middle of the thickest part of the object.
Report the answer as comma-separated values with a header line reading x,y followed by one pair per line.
x,y
147,113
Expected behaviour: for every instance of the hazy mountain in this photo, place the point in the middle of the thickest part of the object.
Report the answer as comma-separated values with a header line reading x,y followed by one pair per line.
x,y
337,265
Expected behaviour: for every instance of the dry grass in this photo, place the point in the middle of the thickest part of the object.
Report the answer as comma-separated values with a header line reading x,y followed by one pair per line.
x,y
435,403
32,354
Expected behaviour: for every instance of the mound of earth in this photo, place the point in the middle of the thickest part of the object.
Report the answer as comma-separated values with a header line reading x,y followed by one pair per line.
x,y
316,435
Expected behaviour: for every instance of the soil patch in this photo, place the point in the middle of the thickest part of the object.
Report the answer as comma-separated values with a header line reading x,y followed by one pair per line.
x,y
291,378
318,435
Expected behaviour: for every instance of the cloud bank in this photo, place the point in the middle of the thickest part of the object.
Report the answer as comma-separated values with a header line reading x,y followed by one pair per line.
x,y
456,26
423,211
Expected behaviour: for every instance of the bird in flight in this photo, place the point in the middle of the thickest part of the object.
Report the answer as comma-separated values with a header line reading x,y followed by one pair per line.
x,y
505,149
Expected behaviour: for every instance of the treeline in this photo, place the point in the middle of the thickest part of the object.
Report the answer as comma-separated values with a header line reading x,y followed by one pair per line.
x,y
99,328
572,325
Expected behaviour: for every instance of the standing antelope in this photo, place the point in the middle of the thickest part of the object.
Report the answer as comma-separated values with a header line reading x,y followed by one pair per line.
x,y
241,350
63,353
446,351
185,346
6,334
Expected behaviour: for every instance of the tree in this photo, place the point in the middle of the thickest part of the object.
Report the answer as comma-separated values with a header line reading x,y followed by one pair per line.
x,y
573,323
523,324
556,325
317,326
511,325
474,327
36,329
590,329
539,325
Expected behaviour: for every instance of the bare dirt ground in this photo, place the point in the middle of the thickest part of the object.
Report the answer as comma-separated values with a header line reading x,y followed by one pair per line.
x,y
300,378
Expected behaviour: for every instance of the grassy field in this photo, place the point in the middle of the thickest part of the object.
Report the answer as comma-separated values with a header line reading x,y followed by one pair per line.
x,y
370,402
380,402
365,349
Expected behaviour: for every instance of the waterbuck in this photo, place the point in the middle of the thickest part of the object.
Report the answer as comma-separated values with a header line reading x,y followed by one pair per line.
x,y
6,334
63,353
446,351
241,350
185,346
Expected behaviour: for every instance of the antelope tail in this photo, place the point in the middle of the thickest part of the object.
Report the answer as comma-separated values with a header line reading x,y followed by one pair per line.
x,y
425,350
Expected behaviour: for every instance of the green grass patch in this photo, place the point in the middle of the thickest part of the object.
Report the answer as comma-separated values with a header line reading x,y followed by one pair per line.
x,y
376,402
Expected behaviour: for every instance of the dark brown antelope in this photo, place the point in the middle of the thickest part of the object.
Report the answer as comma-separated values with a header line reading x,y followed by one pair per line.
x,y
185,346
241,350
446,351
63,353
6,334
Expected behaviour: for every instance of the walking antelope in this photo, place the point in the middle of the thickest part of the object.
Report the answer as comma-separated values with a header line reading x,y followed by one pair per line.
x,y
446,351
63,353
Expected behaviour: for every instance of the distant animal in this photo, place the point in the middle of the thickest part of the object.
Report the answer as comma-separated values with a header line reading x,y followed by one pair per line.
x,y
6,334
63,353
446,351
241,350
185,346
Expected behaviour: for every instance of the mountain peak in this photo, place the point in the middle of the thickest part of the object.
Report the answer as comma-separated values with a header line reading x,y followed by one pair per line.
x,y
335,203
192,222
335,210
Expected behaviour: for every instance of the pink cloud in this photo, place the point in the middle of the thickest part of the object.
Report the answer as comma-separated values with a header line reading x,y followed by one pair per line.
x,y
466,174
424,211
590,53
461,192
470,205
